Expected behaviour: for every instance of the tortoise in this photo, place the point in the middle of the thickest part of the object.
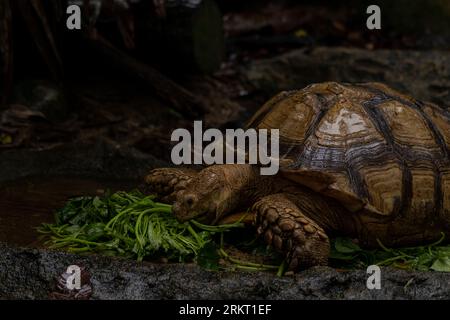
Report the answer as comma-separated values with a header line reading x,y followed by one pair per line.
x,y
359,160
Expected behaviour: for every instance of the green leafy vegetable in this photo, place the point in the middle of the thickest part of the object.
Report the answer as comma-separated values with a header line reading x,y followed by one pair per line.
x,y
133,225
209,257
344,245
348,255
441,264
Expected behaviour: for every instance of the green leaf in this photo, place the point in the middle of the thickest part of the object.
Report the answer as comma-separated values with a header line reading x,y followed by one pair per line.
x,y
95,231
442,264
341,256
345,245
208,257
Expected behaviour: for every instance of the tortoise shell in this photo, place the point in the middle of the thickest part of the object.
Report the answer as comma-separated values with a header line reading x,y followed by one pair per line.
x,y
372,148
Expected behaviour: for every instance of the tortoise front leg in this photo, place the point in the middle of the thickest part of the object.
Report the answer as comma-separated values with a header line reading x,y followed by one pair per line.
x,y
167,182
289,231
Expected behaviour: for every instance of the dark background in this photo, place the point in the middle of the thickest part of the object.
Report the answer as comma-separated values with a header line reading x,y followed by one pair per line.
x,y
198,61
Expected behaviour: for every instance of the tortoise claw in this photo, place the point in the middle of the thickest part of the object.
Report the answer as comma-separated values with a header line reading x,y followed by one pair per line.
x,y
167,182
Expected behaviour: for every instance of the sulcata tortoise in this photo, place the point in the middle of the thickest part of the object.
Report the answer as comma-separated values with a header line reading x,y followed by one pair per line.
x,y
360,160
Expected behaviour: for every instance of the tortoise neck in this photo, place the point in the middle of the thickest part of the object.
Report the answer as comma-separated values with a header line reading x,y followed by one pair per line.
x,y
246,185
235,178
258,186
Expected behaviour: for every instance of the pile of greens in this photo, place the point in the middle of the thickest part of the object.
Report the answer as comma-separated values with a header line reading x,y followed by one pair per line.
x,y
134,225
128,224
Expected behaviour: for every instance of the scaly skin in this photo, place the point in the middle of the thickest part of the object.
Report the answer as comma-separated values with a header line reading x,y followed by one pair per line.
x,y
288,230
168,182
289,217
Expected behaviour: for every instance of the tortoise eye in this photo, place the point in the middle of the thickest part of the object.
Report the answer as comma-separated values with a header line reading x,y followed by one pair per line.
x,y
189,200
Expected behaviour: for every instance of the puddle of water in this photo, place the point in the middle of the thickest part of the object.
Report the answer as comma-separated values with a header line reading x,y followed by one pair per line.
x,y
28,202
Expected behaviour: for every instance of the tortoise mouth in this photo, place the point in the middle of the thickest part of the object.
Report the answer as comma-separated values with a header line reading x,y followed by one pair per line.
x,y
183,214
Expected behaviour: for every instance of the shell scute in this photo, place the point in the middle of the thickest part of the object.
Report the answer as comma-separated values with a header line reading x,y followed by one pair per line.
x,y
370,147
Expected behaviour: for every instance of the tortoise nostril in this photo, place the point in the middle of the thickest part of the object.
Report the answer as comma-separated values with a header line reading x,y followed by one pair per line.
x,y
189,199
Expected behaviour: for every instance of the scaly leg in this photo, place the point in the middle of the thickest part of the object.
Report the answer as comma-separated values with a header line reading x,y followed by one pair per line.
x,y
291,232
167,182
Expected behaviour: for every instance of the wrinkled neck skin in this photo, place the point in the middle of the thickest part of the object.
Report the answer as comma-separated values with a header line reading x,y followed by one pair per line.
x,y
247,186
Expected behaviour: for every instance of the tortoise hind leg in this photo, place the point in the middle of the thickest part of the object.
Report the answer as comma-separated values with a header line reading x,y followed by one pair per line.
x,y
167,182
289,231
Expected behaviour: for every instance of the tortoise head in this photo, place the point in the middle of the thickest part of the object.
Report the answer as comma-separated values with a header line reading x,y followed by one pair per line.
x,y
207,197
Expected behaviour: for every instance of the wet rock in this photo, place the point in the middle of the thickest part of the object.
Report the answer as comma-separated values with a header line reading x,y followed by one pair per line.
x,y
422,74
32,274
100,159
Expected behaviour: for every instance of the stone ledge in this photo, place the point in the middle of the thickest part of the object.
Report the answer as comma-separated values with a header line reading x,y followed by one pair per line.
x,y
29,274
